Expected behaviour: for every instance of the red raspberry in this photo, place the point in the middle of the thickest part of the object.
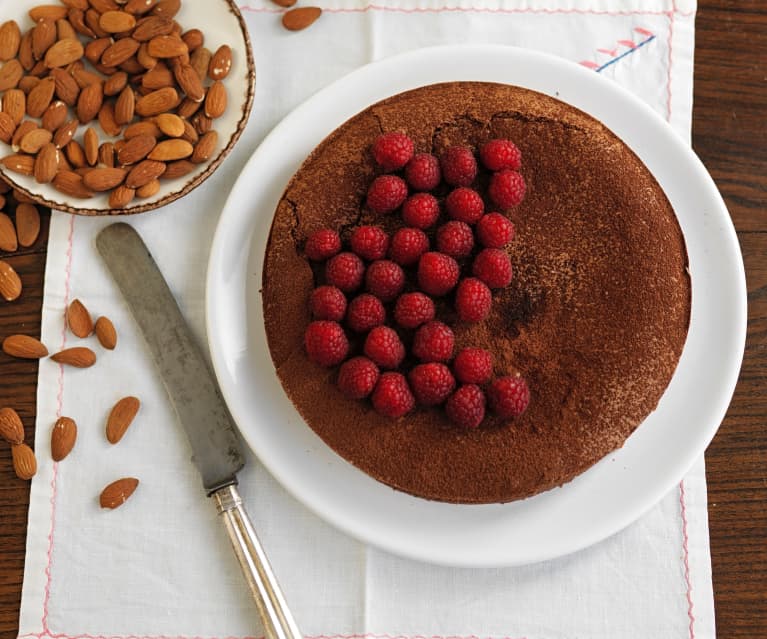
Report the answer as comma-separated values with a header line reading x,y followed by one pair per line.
x,y
455,239
431,383
466,407
459,167
420,210
322,244
365,312
326,343
386,193
384,347
392,396
495,230
509,396
413,309
369,242
407,246
357,377
385,279
507,188
493,267
464,204
473,300
392,150
345,271
500,154
422,172
434,342
328,303
437,273
473,365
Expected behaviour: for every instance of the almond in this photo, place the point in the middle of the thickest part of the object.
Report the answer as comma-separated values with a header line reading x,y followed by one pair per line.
x,y
10,39
65,30
167,46
35,140
19,163
178,169
160,101
27,83
55,115
116,83
89,103
25,55
121,197
24,347
119,52
145,171
48,12
297,19
136,149
82,76
147,127
215,100
45,169
7,127
79,357
151,27
102,6
104,179
204,149
22,197
15,105
117,21
107,120
24,462
40,97
25,127
125,106
190,134
202,123
63,437
92,20
64,52
65,133
8,240
76,17
67,88
95,49
118,492
27,221
159,77
200,61
193,39
121,417
70,183
220,63
138,7
10,284
11,428
106,333
107,154
75,154
43,36
150,189
167,8
144,59
91,145
10,74
170,124
169,150
79,319
189,82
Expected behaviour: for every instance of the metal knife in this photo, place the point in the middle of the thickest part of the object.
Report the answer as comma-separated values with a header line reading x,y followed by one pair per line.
x,y
200,408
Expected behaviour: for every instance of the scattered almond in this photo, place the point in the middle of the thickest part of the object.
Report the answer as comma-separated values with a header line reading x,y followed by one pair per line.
x,y
27,222
10,39
145,171
121,417
178,169
118,492
40,97
15,105
7,127
189,82
157,102
169,150
63,437
298,19
221,62
24,347
117,21
167,46
215,100
119,52
79,319
24,462
19,163
48,12
10,284
106,333
8,240
11,428
35,140
63,52
79,357
46,164
120,197
70,183
104,179
55,115
89,102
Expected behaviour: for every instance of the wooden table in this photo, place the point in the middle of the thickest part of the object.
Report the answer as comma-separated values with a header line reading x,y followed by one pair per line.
x,y
730,135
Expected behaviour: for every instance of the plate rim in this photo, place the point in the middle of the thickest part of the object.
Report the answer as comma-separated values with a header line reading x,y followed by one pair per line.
x,y
727,230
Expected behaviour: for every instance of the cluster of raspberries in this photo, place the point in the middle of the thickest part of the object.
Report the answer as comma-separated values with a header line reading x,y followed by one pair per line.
x,y
382,264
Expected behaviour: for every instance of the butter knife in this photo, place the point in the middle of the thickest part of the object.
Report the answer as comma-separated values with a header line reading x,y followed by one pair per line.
x,y
197,401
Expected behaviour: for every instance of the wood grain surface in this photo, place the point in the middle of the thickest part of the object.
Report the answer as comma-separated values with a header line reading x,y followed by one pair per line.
x,y
730,135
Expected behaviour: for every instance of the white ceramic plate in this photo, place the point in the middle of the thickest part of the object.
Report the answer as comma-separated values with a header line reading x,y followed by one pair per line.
x,y
221,23
596,504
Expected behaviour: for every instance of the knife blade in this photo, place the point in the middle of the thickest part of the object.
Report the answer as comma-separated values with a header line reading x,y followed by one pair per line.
x,y
200,409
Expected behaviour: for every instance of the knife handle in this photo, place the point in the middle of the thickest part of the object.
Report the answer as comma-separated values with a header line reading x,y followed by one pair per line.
x,y
275,615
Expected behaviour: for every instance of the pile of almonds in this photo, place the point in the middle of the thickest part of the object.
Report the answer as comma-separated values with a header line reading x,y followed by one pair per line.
x,y
153,89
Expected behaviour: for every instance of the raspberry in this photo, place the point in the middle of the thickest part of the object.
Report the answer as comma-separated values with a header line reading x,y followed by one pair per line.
x,y
413,309
369,242
326,343
466,407
385,279
392,396
433,342
357,377
464,204
384,347
407,246
459,167
345,271
509,396
455,239
422,172
493,267
507,188
495,230
420,210
392,150
431,383
322,244
365,312
386,193
472,300
437,273
328,303
473,365
500,154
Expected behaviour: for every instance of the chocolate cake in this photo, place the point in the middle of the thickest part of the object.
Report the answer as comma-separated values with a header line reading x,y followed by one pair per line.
x,y
595,317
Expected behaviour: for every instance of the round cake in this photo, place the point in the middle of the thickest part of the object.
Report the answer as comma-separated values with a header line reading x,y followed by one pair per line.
x,y
594,319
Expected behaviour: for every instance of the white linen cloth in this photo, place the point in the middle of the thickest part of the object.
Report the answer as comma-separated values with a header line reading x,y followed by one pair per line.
x,y
160,567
